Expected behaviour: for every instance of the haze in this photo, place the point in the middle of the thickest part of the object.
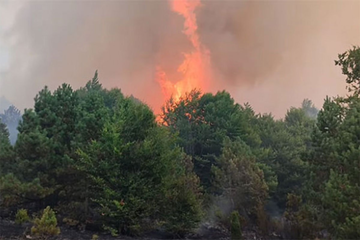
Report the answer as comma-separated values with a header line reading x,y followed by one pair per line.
x,y
272,54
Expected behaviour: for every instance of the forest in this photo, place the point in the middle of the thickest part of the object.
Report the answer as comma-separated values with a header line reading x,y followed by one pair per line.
x,y
94,159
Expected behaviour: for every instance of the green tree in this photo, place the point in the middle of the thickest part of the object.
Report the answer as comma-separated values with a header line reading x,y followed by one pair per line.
x,y
46,226
6,151
133,165
333,185
182,205
202,123
49,136
238,177
235,226
349,62
284,143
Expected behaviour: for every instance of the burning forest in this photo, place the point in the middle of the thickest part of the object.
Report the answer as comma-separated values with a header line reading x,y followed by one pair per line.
x,y
158,144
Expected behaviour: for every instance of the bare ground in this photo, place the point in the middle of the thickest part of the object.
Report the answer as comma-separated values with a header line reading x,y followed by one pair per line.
x,y
11,231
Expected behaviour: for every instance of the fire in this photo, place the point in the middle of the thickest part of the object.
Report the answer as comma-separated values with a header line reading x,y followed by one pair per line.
x,y
195,63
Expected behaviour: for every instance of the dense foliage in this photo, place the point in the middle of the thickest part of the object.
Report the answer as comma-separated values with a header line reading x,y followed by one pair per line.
x,y
105,161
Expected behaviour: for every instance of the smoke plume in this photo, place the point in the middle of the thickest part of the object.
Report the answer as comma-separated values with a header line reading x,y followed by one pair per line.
x,y
272,54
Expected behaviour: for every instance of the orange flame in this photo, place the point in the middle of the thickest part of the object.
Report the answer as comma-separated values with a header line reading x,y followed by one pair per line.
x,y
195,63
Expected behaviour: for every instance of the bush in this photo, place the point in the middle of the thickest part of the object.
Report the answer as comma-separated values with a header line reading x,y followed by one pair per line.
x,y
262,218
46,226
301,221
22,216
235,226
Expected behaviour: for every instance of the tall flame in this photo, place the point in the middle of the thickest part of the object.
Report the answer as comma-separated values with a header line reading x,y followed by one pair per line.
x,y
195,63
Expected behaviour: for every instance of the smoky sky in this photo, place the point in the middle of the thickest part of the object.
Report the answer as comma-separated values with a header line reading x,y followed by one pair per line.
x,y
271,54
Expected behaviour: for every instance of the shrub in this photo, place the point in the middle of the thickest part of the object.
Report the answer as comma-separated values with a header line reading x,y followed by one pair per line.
x,y
71,222
46,226
301,219
263,221
111,230
235,226
22,216
95,237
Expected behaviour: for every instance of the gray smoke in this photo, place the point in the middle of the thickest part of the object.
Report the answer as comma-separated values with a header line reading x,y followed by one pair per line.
x,y
272,54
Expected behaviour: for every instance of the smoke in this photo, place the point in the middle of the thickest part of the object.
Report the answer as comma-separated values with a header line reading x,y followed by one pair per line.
x,y
272,54
276,53
66,41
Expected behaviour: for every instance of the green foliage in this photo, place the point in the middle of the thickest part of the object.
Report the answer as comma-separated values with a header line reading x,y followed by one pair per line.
x,y
6,150
349,62
342,212
333,185
202,123
301,219
22,216
46,226
235,226
111,230
332,190
133,165
101,158
49,136
14,192
286,141
4,137
183,199
238,178
93,85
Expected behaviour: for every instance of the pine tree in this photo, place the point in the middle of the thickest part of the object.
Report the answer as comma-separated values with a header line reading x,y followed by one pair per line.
x,y
333,186
6,151
238,177
203,121
133,165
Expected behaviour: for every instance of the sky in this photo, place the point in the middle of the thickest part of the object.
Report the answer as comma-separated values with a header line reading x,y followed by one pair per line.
x,y
272,54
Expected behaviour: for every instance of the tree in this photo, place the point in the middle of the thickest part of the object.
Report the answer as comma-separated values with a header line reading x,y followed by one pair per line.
x,y
284,143
49,136
43,150
6,151
133,165
238,177
333,185
349,62
182,205
46,226
94,84
235,226
96,156
202,123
